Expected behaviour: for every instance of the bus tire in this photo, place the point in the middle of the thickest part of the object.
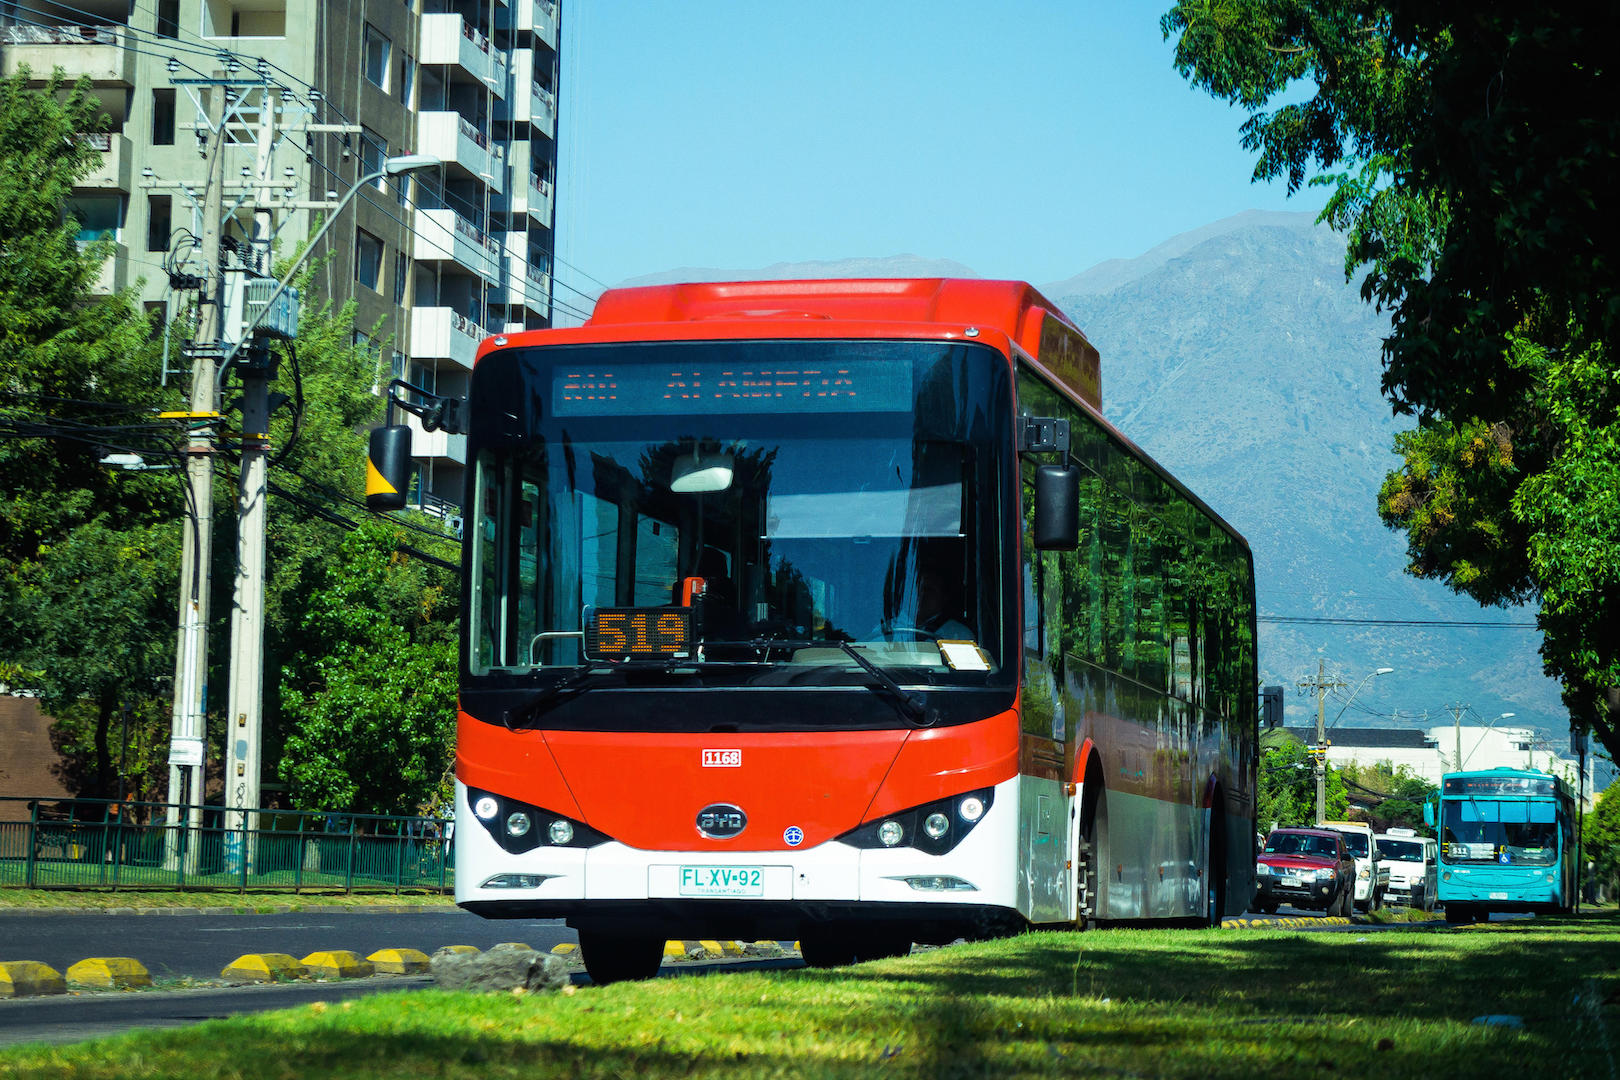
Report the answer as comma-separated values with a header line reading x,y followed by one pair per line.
x,y
1459,914
1093,832
611,958
828,948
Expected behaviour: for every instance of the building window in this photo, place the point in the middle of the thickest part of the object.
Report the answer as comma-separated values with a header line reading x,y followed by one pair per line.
x,y
368,257
373,152
159,221
168,19
378,48
407,78
402,267
99,216
162,117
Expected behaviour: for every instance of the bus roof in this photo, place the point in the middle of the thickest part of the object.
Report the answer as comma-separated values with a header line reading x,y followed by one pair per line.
x,y
877,306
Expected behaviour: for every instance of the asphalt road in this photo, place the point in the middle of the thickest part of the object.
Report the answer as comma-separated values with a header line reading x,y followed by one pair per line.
x,y
201,945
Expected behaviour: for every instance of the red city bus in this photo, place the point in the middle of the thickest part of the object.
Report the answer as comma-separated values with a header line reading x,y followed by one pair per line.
x,y
834,611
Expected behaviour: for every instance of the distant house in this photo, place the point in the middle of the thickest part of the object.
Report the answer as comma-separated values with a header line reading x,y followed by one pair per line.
x,y
28,760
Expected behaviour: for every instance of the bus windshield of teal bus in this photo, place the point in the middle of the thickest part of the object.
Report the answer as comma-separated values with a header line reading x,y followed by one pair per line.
x,y
681,502
1520,832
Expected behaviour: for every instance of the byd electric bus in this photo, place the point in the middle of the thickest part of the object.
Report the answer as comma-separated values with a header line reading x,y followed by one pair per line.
x,y
834,611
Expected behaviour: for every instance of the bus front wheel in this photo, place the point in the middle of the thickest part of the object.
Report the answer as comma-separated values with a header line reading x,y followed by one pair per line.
x,y
611,958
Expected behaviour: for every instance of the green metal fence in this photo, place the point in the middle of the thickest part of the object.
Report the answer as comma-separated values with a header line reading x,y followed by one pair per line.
x,y
100,844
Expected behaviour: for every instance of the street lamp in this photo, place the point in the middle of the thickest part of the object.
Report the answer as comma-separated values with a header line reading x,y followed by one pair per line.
x,y
394,166
1321,740
1456,726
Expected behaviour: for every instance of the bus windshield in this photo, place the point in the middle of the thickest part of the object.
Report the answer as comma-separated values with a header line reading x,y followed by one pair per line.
x,y
1512,831
826,496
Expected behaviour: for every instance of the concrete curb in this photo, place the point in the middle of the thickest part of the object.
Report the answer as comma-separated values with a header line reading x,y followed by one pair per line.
x,y
337,964
406,961
29,978
263,967
1291,923
109,973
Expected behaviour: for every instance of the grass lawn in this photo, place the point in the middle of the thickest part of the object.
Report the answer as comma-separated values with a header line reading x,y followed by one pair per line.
x,y
1130,1003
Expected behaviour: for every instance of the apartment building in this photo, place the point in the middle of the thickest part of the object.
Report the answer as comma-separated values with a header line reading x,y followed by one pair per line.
x,y
436,260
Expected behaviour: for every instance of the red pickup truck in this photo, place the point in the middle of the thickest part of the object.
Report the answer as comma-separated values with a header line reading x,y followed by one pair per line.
x,y
1308,868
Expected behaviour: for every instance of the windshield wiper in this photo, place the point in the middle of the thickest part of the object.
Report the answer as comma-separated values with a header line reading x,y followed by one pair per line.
x,y
578,682
909,705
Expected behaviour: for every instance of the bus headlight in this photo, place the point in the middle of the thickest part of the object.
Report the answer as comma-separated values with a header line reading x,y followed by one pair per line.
x,y
928,827
511,822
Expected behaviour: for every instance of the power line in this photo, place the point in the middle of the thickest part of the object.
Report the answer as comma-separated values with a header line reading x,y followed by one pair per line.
x,y
1311,620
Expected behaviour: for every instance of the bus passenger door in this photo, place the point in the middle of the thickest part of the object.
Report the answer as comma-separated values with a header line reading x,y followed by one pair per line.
x,y
1047,810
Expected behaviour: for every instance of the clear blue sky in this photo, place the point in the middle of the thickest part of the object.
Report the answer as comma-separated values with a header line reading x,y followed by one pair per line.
x,y
1024,138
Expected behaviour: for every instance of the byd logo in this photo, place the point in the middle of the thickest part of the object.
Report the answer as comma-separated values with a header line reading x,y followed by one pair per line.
x,y
721,821
722,759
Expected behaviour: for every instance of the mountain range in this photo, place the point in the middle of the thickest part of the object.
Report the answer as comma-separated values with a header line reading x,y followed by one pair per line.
x,y
1241,358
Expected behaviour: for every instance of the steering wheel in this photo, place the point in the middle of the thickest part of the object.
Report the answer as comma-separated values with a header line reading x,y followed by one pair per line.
x,y
917,633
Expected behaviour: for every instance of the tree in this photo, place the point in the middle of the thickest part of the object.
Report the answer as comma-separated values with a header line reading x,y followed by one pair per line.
x,y
371,696
1474,146
86,552
1288,785
1600,839
1393,796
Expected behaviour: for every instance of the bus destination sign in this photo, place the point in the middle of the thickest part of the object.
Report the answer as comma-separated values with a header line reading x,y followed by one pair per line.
x,y
1500,785
637,633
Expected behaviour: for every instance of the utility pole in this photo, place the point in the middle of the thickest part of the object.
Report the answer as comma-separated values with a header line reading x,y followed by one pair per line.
x,y
1456,712
1320,686
187,727
245,710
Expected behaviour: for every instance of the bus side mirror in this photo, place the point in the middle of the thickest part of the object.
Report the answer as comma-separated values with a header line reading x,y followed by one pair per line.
x,y
1057,507
388,468
1428,813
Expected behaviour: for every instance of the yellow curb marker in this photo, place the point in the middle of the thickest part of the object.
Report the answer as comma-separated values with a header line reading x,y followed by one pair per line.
x,y
263,967
675,950
109,973
29,978
566,948
405,961
460,950
337,964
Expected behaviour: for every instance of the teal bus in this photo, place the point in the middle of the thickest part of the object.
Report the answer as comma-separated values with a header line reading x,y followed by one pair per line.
x,y
1507,843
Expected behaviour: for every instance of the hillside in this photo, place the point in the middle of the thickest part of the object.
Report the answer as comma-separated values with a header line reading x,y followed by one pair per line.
x,y
1240,357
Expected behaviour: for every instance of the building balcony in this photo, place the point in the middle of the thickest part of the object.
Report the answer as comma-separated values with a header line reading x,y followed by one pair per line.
x,y
436,444
114,171
441,333
444,236
543,109
449,39
454,140
541,192
93,52
524,285
115,273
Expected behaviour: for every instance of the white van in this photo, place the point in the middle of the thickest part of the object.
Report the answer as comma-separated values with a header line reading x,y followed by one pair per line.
x,y
1372,876
1412,862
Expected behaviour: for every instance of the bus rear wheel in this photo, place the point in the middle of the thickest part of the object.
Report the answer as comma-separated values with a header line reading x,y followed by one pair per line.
x,y
611,958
